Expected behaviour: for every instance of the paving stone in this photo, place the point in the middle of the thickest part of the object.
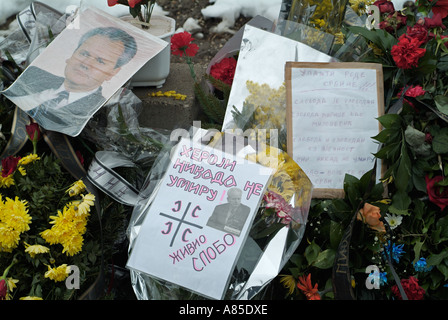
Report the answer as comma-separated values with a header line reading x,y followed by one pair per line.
x,y
167,112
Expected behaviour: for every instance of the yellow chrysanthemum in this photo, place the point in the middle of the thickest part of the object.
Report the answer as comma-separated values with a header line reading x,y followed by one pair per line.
x,y
69,226
88,200
31,298
15,214
22,170
6,182
57,274
76,188
49,236
33,250
9,238
28,159
11,284
72,245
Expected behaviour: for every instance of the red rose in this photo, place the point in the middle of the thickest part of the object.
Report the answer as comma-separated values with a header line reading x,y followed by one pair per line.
x,y
224,70
411,288
407,52
441,7
32,129
3,289
434,22
80,157
385,6
9,165
181,43
437,194
418,32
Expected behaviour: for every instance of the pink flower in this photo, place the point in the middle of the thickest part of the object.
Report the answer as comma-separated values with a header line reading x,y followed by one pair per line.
x,y
283,209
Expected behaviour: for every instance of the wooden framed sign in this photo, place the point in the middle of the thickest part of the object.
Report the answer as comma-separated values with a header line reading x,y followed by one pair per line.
x,y
332,111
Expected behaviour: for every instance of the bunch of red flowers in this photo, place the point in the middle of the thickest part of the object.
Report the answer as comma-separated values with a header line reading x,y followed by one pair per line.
x,y
411,44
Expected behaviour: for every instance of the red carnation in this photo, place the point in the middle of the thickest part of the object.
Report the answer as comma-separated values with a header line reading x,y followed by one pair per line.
x,y
224,70
131,3
411,288
181,43
407,52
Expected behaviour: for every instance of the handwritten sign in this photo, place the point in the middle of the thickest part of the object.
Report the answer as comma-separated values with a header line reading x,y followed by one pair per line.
x,y
331,117
195,228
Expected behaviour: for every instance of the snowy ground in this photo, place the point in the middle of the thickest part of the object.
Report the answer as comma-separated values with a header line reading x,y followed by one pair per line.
x,y
225,10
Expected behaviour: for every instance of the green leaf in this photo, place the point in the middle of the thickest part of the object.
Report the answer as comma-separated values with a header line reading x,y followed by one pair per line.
x,y
404,170
440,141
312,252
336,232
325,259
442,103
436,259
390,120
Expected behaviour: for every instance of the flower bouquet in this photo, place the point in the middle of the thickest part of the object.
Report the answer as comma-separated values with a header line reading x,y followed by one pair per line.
x,y
46,225
393,233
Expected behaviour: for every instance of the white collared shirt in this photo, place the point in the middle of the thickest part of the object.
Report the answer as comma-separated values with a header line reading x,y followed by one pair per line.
x,y
33,100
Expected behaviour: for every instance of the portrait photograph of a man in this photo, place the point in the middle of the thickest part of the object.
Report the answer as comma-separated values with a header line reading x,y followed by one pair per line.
x,y
80,70
231,216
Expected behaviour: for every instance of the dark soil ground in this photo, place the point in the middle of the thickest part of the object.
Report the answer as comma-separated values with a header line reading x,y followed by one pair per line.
x,y
209,45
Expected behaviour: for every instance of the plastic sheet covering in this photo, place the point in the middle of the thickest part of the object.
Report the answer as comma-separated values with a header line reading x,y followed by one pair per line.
x,y
276,232
115,128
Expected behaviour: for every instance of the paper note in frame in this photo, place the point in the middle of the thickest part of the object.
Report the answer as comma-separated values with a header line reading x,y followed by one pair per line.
x,y
81,69
332,111
262,59
195,228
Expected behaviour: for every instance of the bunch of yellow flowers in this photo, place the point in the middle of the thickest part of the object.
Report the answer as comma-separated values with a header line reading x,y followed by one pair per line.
x,y
70,224
14,220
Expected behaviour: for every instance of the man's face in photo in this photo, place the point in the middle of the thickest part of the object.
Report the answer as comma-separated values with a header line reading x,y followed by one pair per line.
x,y
92,63
234,199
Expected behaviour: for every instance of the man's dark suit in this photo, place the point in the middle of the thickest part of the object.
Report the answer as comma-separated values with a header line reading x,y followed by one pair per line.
x,y
68,118
225,220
